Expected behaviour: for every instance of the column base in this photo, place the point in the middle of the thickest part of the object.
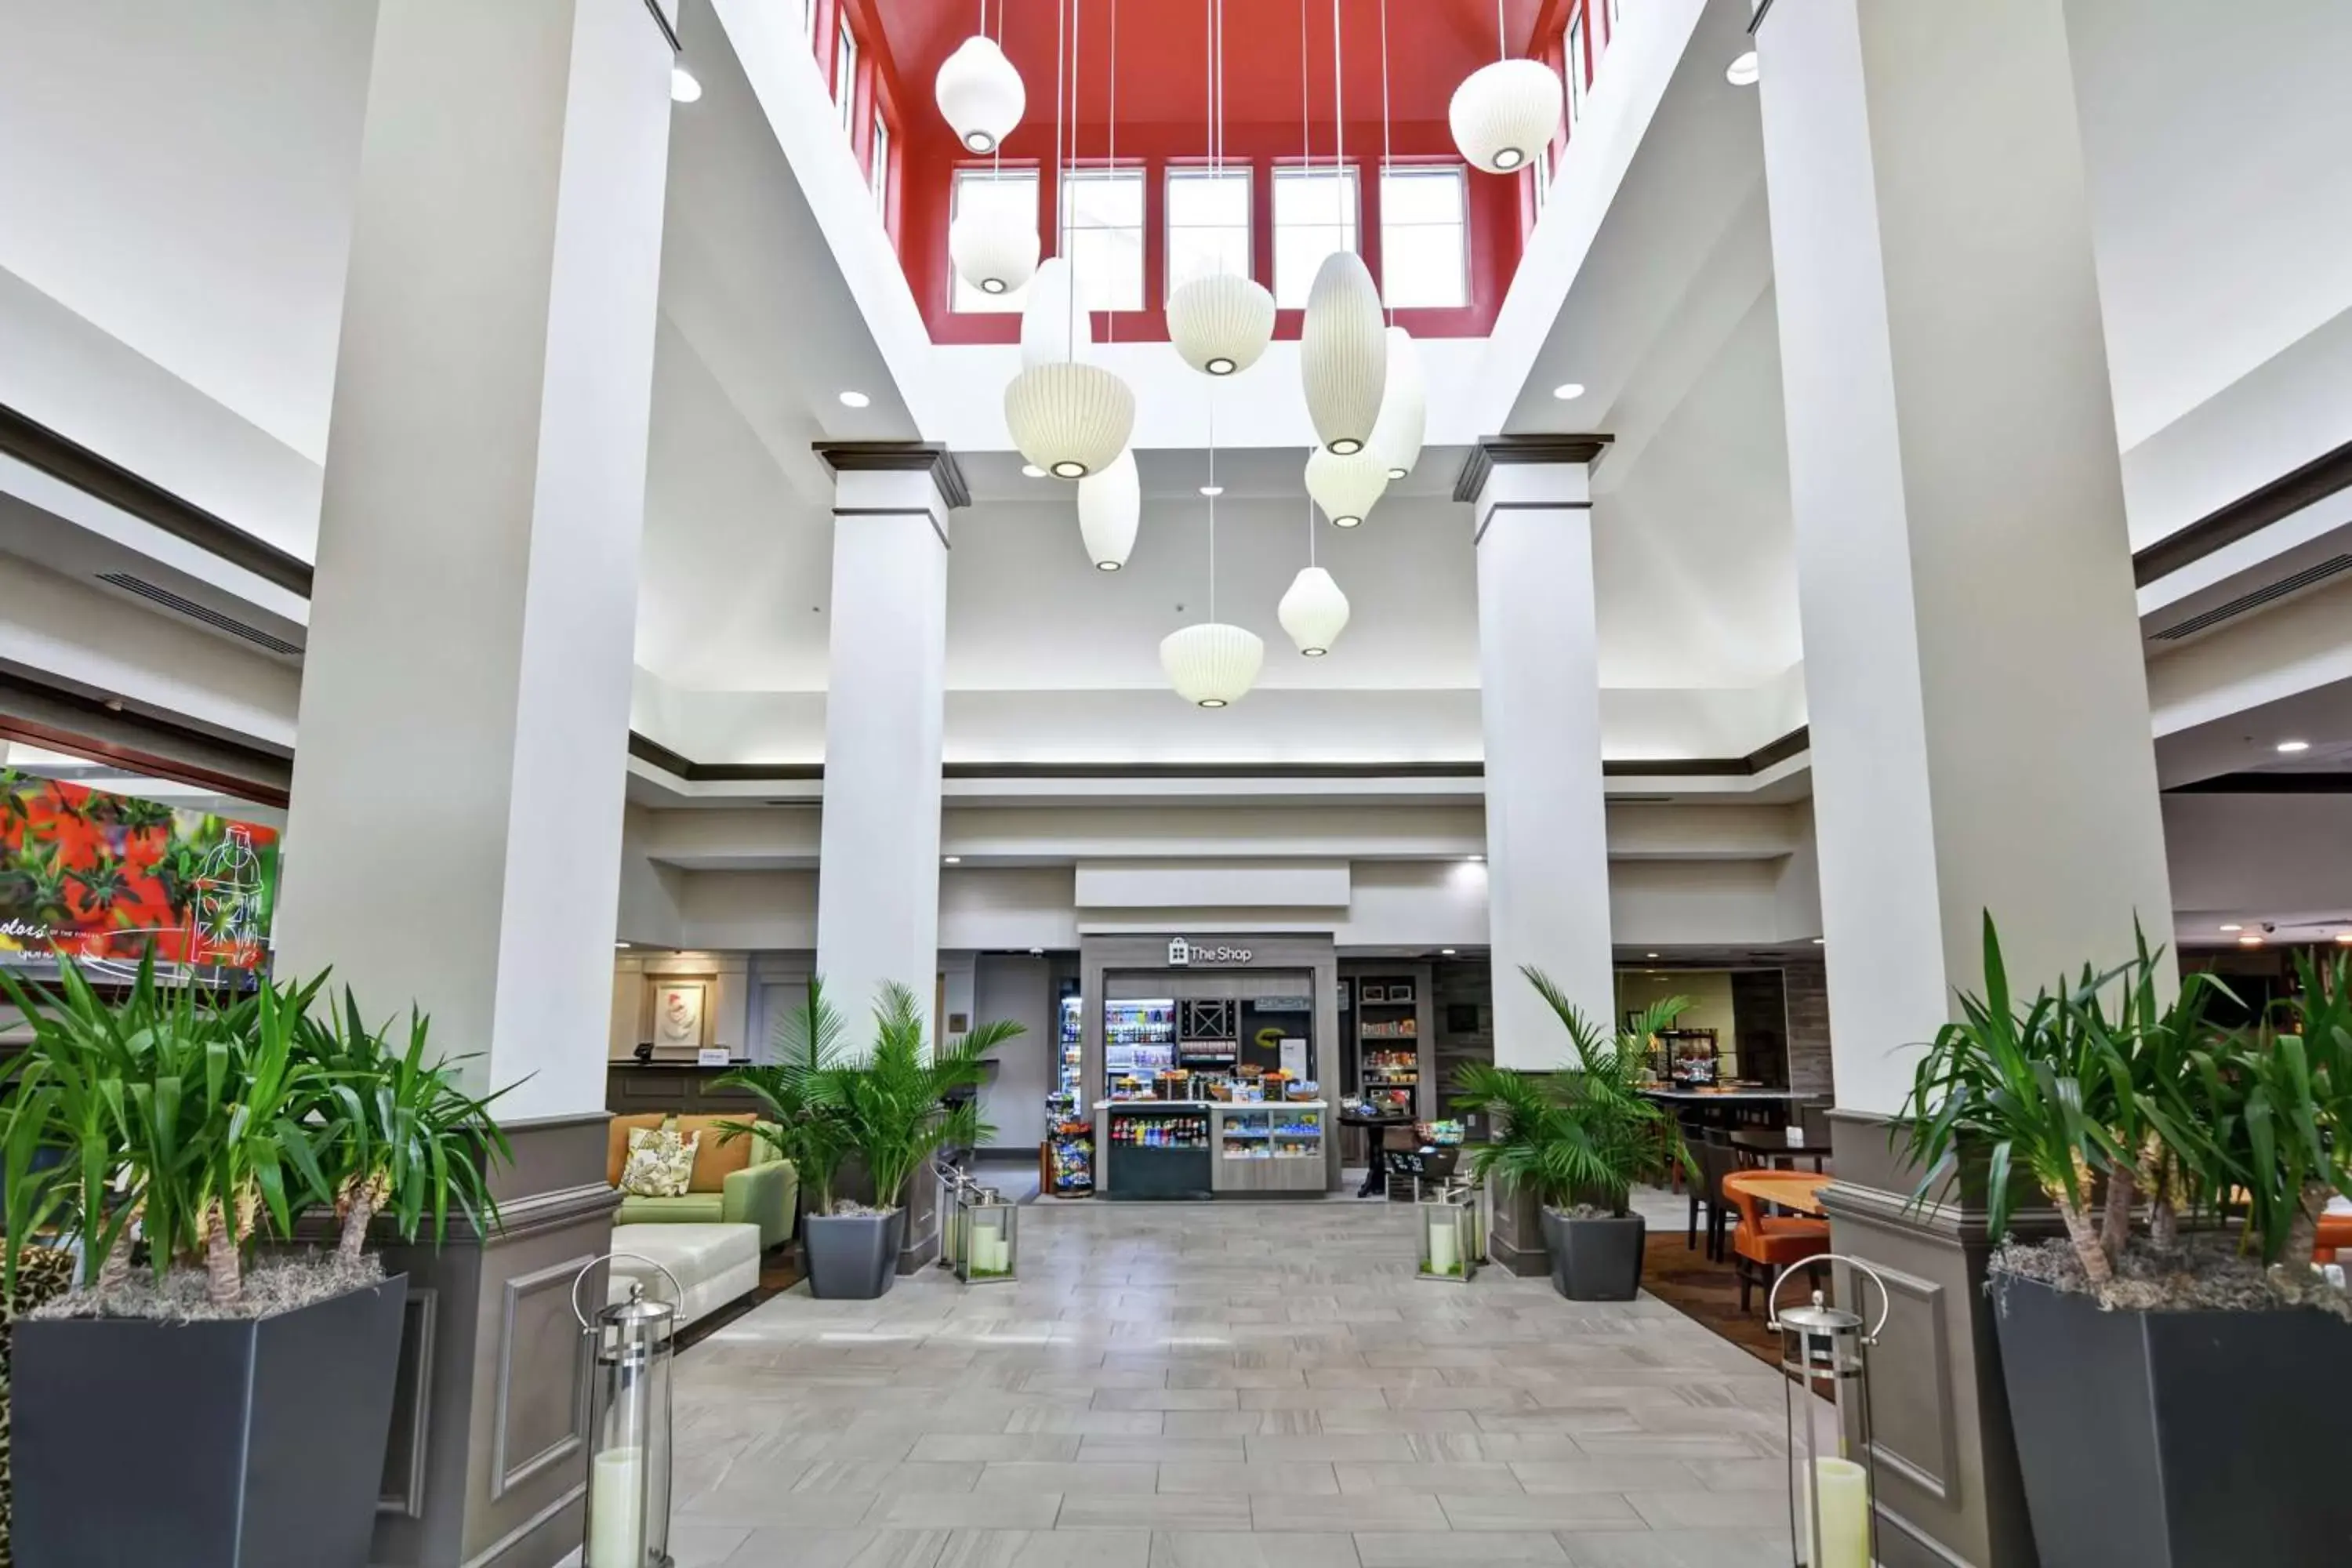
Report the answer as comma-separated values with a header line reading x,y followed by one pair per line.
x,y
1515,1241
1949,1492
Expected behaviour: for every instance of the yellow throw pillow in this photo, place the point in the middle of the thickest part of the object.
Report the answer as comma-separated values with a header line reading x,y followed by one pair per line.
x,y
660,1162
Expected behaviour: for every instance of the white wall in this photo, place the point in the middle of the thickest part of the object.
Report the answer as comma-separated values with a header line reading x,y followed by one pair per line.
x,y
2251,858
1019,989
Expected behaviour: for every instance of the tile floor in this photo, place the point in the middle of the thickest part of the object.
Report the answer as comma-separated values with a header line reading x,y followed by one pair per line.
x,y
1228,1385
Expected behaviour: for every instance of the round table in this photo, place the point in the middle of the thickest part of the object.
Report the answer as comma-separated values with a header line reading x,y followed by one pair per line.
x,y
1773,1148
1376,1179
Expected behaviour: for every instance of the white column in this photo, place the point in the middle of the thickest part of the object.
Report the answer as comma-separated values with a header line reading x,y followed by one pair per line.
x,y
456,828
878,899
1539,701
1973,667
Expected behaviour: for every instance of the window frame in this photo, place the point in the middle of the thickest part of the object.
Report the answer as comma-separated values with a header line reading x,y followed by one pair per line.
x,y
1295,171
1126,171
963,301
1176,171
878,159
1458,175
846,67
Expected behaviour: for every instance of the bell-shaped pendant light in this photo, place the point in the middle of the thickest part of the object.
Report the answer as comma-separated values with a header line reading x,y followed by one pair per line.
x,y
1504,113
981,94
1110,506
1343,353
1404,408
1221,323
1212,665
1055,326
994,252
1069,418
1348,488
1314,612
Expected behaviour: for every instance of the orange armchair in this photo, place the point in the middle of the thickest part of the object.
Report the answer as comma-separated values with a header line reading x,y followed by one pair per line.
x,y
2335,1239
1765,1244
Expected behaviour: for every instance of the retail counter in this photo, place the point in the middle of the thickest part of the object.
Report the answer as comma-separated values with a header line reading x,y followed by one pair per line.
x,y
1210,1147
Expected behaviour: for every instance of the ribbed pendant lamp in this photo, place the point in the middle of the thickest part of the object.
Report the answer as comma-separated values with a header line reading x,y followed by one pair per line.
x,y
1404,408
1346,487
1110,510
1342,352
1314,612
980,93
1503,114
994,252
1220,324
1210,663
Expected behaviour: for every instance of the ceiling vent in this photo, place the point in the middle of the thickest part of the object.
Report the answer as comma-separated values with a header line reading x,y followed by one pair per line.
x,y
204,612
2269,594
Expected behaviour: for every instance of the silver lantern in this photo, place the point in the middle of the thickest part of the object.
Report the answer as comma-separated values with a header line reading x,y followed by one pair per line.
x,y
987,1224
629,1425
1833,1467
953,1186
1450,1231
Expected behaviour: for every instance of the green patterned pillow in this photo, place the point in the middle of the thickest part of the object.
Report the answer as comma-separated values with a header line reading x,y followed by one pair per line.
x,y
660,1162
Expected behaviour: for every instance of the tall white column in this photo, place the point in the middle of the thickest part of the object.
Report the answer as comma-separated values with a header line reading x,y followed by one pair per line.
x,y
878,898
1540,702
456,828
1973,666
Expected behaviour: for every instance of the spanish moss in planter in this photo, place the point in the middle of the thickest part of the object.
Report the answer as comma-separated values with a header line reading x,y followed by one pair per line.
x,y
889,1110
249,1405
2173,1352
1580,1140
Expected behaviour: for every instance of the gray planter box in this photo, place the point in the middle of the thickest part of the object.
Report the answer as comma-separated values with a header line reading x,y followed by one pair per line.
x,y
232,1445
1595,1260
853,1258
2177,1439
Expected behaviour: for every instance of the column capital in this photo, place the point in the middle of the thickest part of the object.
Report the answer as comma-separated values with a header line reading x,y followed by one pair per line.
x,y
1493,450
900,458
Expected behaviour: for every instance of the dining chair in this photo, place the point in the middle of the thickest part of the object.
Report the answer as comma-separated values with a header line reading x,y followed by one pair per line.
x,y
1715,1159
1766,1244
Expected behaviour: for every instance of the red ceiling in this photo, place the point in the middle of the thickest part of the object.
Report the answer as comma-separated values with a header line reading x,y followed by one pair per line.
x,y
1164,53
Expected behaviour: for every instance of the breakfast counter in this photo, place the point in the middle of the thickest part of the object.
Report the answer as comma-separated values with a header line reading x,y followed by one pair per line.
x,y
1200,1149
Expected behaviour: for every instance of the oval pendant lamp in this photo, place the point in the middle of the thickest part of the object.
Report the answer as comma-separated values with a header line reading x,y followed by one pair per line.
x,y
996,253
1221,323
1343,353
1110,509
1055,326
1212,665
1504,113
1348,488
1404,408
981,94
1314,612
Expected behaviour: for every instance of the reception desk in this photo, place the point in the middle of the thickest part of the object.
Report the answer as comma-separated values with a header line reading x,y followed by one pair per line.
x,y
1197,1149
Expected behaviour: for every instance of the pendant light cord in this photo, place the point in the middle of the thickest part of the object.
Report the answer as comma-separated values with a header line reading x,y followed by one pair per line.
x,y
1339,101
1305,127
1212,500
1070,342
1382,184
1502,34
1110,317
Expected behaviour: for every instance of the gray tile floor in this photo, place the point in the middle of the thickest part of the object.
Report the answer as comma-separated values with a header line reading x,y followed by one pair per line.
x,y
1229,1385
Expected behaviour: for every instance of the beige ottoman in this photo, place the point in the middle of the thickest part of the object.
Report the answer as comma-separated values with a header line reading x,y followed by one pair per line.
x,y
715,1264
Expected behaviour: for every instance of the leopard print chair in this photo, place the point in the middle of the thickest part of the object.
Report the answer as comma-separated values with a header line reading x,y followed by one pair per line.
x,y
42,1275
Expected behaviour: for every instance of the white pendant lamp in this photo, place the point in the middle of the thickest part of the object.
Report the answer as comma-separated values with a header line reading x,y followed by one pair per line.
x,y
1069,418
1404,408
1055,322
1111,507
994,252
1504,113
1220,322
1212,665
1346,487
1314,612
1343,353
981,94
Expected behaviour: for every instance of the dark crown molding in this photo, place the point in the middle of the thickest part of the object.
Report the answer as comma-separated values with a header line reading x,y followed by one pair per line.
x,y
900,458
2250,513
1494,449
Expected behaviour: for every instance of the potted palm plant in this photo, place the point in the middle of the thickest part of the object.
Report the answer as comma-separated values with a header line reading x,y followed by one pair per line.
x,y
796,1118
1580,1140
2177,1329
250,1399
889,1112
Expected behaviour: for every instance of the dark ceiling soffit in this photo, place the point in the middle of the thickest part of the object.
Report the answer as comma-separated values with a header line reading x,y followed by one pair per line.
x,y
900,458
2259,783
2249,514
1756,762
65,720
76,465
1493,449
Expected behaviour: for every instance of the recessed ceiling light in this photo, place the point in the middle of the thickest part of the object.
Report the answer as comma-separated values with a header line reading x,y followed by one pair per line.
x,y
1473,859
1031,471
2233,926
1818,940
1036,953
683,88
953,859
619,944
855,400
1212,491
1569,391
1742,72
2291,747
1448,952
2345,937
2250,940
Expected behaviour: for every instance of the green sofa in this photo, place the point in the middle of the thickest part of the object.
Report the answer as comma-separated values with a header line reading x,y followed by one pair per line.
x,y
738,1181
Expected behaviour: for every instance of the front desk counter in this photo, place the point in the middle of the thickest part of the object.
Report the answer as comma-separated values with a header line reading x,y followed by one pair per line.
x,y
1210,1147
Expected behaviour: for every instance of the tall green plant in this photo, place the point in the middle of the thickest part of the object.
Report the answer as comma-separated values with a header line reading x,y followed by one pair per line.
x,y
797,1116
2282,1093
1585,1134
893,1105
398,1133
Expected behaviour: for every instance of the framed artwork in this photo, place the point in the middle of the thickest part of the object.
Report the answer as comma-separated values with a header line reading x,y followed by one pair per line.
x,y
681,1015
1368,992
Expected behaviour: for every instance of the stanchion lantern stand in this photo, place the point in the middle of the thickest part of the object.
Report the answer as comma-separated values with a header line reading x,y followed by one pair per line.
x,y
1447,1222
987,1222
1832,1496
629,1425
